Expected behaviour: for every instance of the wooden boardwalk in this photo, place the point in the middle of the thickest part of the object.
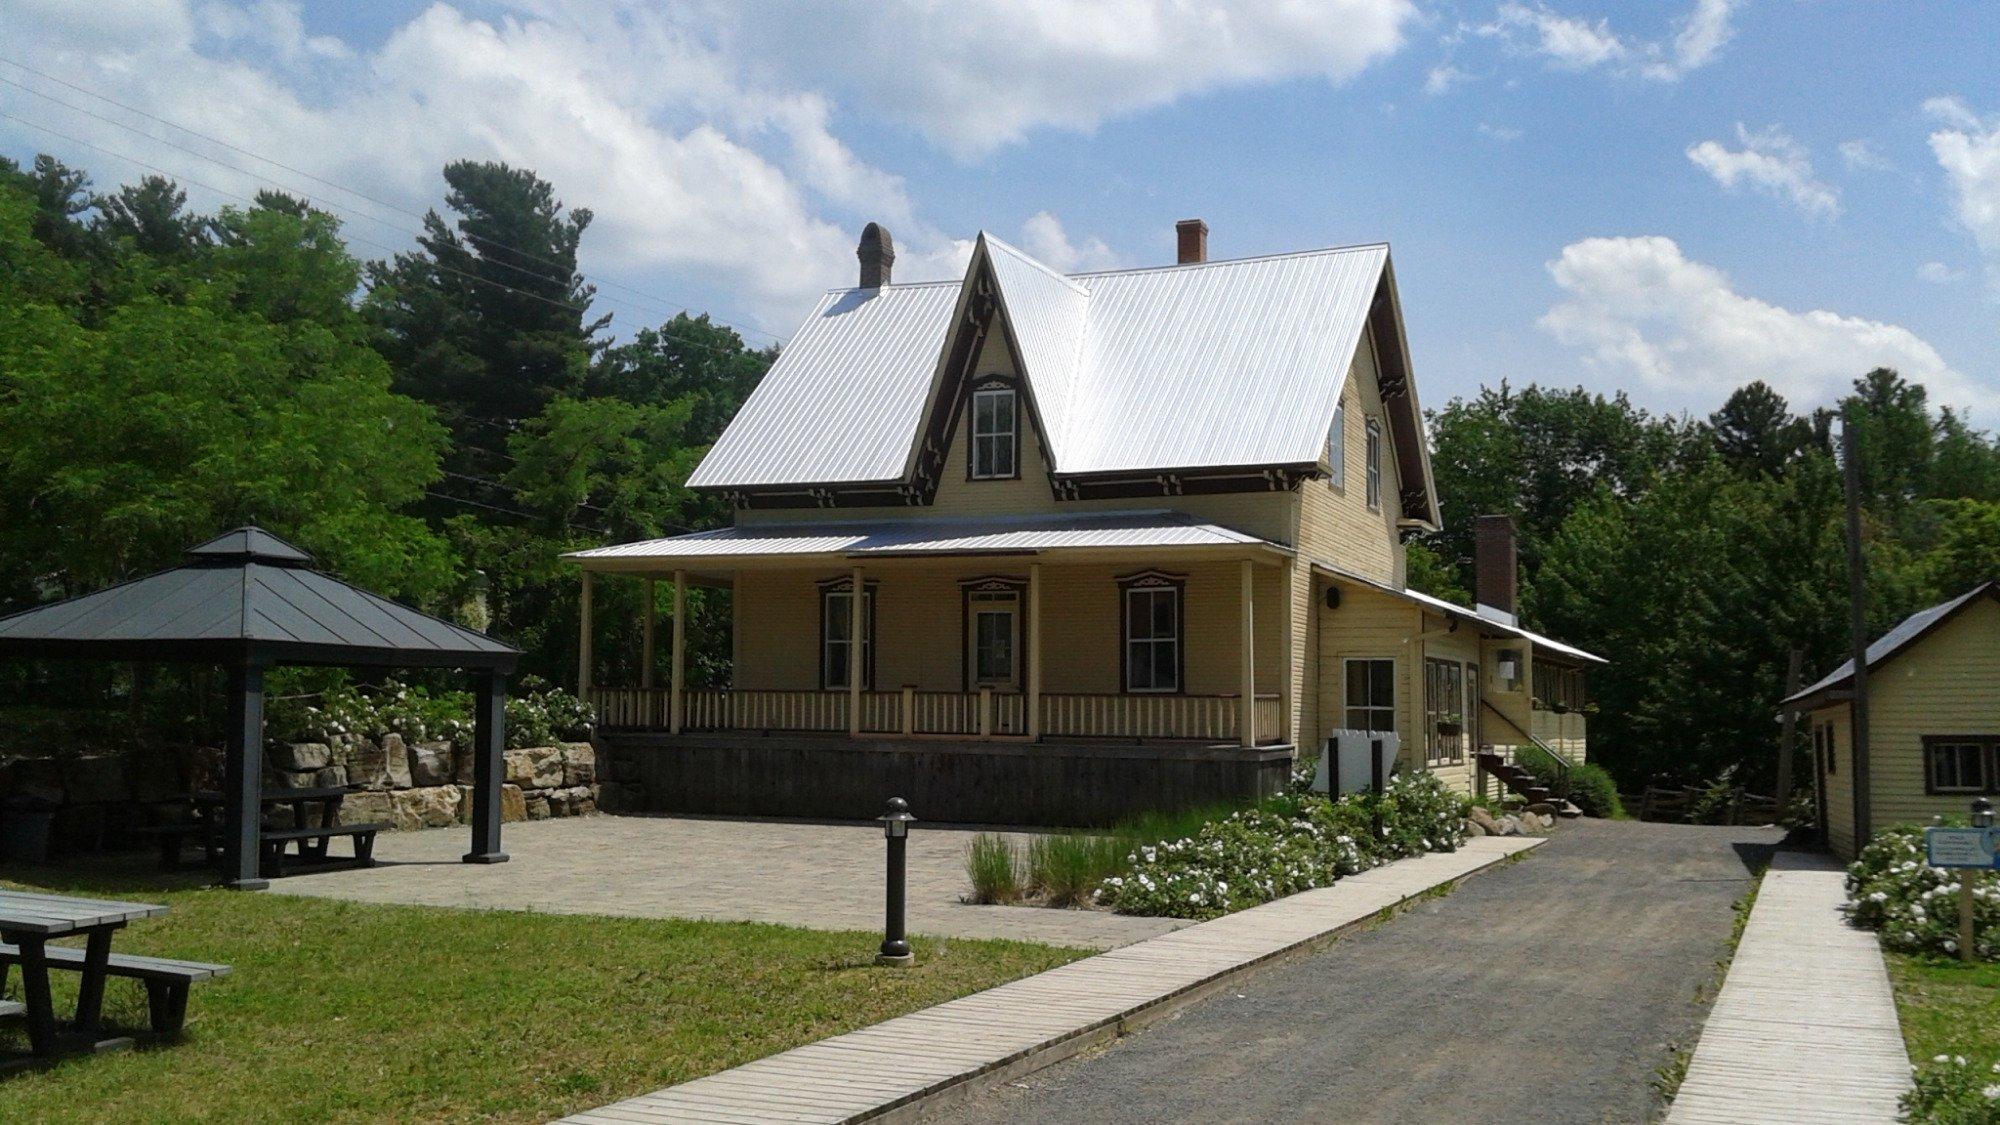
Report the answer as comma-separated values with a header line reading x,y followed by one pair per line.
x,y
994,1035
1805,1027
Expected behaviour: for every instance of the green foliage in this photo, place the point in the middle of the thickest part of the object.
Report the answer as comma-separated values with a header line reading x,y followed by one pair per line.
x,y
1953,1090
990,865
1914,906
1066,867
1288,843
537,715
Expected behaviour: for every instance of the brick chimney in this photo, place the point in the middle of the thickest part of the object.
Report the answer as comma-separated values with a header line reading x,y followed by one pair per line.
x,y
878,256
1494,568
1193,236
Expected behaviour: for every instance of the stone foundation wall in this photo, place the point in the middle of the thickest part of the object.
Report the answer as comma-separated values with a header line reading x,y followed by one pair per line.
x,y
429,784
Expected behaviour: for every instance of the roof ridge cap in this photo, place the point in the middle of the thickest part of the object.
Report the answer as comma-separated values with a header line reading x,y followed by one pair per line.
x,y
1247,260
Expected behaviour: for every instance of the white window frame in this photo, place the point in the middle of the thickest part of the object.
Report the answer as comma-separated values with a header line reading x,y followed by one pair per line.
x,y
1374,465
1174,592
1000,440
835,606
1347,705
1336,449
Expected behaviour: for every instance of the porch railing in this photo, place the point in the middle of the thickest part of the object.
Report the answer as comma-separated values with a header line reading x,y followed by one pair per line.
x,y
974,714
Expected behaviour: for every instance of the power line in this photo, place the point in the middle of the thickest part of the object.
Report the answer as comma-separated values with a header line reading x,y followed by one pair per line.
x,y
666,304
351,237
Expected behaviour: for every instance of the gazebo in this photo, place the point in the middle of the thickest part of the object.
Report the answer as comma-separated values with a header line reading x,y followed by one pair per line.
x,y
249,601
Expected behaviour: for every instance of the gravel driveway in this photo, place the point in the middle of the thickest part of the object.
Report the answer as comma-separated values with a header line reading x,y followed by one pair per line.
x,y
1549,990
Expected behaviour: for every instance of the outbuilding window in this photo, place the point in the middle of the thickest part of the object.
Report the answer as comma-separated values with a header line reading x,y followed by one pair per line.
x,y
995,434
1371,695
1961,764
1151,645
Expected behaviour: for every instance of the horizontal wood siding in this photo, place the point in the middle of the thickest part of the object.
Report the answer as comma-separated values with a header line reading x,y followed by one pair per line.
x,y
1948,684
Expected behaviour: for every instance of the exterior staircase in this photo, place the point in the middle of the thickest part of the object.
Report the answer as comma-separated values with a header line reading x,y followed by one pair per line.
x,y
1518,780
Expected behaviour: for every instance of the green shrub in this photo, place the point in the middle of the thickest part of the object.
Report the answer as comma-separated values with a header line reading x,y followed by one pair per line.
x,y
1288,843
1067,867
1952,1090
537,715
1914,906
989,863
1587,786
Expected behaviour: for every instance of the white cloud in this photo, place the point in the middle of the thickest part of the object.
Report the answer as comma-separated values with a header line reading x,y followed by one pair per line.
x,y
1639,309
1861,155
1442,78
698,162
1772,162
1967,147
1937,273
1044,238
1579,43
972,77
1499,132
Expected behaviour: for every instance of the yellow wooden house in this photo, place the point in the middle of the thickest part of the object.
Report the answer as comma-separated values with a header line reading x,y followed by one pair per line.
x,y
1933,723
1034,547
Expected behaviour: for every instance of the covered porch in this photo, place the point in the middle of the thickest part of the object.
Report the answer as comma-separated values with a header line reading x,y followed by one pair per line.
x,y
1146,627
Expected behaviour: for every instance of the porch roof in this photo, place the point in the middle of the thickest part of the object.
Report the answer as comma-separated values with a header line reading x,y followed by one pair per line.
x,y
988,535
1463,613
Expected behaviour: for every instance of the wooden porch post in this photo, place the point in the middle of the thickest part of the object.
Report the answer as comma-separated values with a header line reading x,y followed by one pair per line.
x,y
677,702
583,652
1034,716
647,615
1249,657
243,800
855,620
489,741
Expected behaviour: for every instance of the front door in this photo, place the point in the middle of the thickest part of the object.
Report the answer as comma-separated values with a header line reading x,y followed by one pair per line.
x,y
993,640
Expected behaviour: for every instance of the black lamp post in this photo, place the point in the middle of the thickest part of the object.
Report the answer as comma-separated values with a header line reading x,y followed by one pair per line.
x,y
896,829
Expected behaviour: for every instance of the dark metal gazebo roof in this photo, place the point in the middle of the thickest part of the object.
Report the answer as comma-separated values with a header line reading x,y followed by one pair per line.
x,y
248,595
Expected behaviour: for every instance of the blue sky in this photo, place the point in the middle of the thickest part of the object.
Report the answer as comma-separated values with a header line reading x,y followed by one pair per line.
x,y
1666,198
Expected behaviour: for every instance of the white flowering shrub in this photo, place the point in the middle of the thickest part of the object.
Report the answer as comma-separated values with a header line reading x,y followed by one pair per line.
x,y
1952,1090
1914,906
1291,842
537,715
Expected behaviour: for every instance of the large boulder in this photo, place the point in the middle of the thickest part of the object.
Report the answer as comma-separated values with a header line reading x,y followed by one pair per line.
x,y
366,807
579,764
1484,820
396,761
300,756
538,807
434,806
464,762
431,764
95,780
367,765
330,776
513,805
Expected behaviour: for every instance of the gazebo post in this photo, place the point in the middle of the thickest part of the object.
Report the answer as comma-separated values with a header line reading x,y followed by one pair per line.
x,y
489,740
243,797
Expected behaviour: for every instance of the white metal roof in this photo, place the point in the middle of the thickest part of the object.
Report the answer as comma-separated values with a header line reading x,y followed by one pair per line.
x,y
1453,609
986,535
1207,365
1895,640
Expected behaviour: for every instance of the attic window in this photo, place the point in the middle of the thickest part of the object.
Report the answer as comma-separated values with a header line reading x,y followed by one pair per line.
x,y
995,435
1336,448
1374,465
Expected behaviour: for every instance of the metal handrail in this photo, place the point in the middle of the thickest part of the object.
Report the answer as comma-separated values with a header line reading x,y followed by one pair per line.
x,y
1562,763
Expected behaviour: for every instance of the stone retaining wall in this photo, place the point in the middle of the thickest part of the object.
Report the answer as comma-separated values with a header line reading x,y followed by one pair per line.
x,y
429,784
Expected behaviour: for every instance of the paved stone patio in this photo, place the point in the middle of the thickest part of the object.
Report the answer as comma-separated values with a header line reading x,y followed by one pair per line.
x,y
822,876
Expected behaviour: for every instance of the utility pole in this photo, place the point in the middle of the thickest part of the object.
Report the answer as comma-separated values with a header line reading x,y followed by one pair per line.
x,y
1857,631
1788,733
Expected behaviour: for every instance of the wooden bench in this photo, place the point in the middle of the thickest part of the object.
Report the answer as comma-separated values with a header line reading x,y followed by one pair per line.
x,y
166,980
313,844
172,840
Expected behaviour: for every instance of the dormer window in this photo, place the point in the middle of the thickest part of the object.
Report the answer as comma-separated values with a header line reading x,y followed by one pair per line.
x,y
995,434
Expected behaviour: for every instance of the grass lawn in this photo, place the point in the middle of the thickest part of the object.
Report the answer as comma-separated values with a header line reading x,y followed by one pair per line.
x,y
1947,1007
349,1012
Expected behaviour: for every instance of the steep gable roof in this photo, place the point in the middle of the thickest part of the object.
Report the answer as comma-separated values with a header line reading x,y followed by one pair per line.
x,y
1208,366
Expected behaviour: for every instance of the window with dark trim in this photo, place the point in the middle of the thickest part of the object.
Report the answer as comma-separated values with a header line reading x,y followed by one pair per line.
x,y
836,625
1961,763
1151,609
1374,465
1371,695
1559,688
995,435
1444,711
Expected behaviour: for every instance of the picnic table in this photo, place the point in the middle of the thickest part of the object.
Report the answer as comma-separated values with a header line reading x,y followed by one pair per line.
x,y
315,811
27,922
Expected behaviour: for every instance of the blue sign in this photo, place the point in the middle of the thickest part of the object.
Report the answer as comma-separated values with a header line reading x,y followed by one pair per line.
x,y
1962,847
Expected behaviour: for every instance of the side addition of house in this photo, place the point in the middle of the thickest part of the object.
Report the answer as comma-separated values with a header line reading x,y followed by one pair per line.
x,y
1032,547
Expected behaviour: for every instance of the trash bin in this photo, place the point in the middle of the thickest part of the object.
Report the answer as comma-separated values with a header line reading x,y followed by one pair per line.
x,y
26,821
